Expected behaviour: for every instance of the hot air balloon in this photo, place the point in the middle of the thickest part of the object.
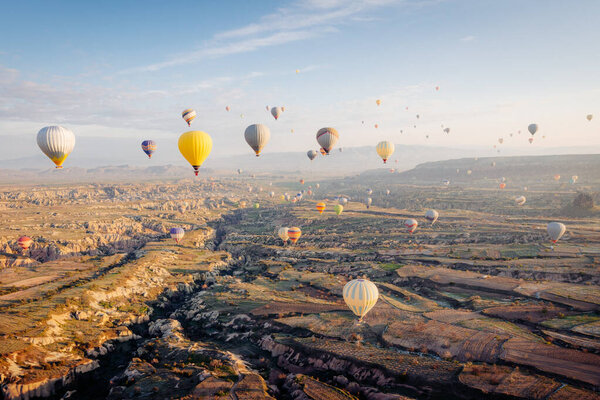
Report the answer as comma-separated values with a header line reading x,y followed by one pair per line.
x,y
297,71
56,143
369,191
195,146
257,136
360,295
322,151
446,182
376,126
574,179
256,205
242,204
177,234
188,115
502,185
227,108
149,147
431,216
530,140
302,181
437,88
276,112
532,128
320,207
338,209
447,130
387,192
589,117
503,179
500,140
239,171
312,154
493,163
378,102
283,234
327,137
411,225
557,178
418,116
294,233
385,149
520,200
469,172
317,186
282,108
25,243
271,194
368,202
556,230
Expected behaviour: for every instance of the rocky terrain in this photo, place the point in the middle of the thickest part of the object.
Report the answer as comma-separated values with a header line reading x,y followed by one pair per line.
x,y
104,305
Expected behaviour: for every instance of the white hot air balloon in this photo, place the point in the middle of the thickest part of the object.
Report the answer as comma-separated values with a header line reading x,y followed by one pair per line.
x,y
56,142
520,200
257,136
283,234
368,202
556,230
431,216
411,225
312,154
360,295
276,112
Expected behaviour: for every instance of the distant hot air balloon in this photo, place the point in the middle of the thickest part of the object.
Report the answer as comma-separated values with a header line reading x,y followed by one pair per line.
x,y
589,117
271,194
368,202
411,225
503,179
418,116
502,185
195,146
282,108
520,200
25,243
257,136
227,108
500,140
320,207
317,185
312,154
431,216
493,163
256,205
327,137
378,102
177,234
387,192
557,178
530,140
360,296
556,230
338,209
446,182
267,107
239,171
149,147
385,149
437,88
574,179
56,143
294,233
283,234
276,112
297,71
532,128
469,172
447,130
188,115
376,126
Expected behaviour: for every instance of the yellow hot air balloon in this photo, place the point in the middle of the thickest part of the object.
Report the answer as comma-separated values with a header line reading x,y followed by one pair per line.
x,y
320,207
294,234
338,209
385,149
360,295
297,71
195,146
378,102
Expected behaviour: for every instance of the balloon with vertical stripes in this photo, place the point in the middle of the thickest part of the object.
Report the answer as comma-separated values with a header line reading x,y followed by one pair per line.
x,y
361,296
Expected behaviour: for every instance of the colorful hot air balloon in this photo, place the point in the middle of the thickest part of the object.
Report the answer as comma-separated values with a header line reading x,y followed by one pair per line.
x,y
376,126
177,234
283,234
368,202
556,230
322,151
25,243
188,115
301,181
360,295
557,177
312,154
343,201
520,200
327,137
56,143
589,117
257,136
502,185
378,102
530,140
385,149
532,128
276,112
294,233
431,216
574,179
369,191
149,147
437,88
320,207
411,225
195,146
338,209
227,108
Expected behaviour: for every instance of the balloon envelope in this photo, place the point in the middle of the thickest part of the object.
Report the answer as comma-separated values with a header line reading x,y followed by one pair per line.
x,y
327,137
556,230
257,136
149,147
320,207
25,242
338,209
360,295
411,225
283,234
188,115
177,234
385,149
431,216
276,112
294,233
532,128
56,143
195,146
312,154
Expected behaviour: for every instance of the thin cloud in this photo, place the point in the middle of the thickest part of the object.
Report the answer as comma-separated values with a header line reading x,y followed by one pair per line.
x,y
469,38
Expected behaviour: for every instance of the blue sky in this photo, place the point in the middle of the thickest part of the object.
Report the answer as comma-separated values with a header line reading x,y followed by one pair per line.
x,y
125,68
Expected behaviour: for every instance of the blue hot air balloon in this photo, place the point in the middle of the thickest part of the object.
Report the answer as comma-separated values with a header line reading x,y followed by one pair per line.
x,y
149,147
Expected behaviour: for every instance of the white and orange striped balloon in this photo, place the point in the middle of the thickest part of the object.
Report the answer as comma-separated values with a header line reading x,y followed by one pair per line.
x,y
360,295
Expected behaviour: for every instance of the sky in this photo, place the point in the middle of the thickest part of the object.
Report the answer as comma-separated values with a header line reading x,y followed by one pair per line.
x,y
126,69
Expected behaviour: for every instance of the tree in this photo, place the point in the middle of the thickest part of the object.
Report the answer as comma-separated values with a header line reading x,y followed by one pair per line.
x,y
583,201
